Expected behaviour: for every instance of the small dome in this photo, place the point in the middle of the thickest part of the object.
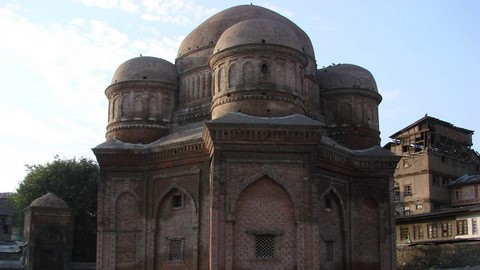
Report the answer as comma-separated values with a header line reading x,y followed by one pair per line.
x,y
258,31
346,76
49,200
146,68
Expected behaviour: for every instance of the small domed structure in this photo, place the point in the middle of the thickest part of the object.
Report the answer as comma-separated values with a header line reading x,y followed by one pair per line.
x,y
346,76
48,226
141,99
49,200
146,68
350,97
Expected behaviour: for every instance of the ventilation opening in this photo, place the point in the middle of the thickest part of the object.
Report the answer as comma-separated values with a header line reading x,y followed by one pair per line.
x,y
144,77
177,201
328,203
176,250
263,40
264,246
264,68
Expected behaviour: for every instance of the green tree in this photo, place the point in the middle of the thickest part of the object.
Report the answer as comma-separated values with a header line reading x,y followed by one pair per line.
x,y
73,180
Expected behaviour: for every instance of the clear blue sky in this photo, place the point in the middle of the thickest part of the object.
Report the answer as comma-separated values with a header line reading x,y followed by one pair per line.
x,y
57,58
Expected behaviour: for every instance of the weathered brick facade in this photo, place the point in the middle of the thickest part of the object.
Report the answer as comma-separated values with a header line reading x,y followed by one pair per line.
x,y
232,166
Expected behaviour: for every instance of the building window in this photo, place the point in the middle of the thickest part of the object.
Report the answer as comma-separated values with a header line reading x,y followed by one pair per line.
x,y
328,204
264,246
177,201
418,232
444,181
406,210
396,192
404,234
432,230
419,206
407,190
462,227
474,226
458,194
436,181
446,229
175,253
329,251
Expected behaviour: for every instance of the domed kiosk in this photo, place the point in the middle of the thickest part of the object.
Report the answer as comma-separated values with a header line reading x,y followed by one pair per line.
x,y
243,155
350,97
141,99
48,233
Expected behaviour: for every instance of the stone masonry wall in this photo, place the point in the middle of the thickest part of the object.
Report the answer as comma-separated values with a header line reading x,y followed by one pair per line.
x,y
438,256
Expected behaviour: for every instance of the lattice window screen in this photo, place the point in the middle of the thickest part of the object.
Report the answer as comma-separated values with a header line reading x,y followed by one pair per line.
x,y
264,246
176,250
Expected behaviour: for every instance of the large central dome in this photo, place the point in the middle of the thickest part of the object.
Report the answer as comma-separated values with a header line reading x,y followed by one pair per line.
x,y
206,35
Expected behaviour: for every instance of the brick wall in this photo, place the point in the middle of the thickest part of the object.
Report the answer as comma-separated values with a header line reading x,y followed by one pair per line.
x,y
264,208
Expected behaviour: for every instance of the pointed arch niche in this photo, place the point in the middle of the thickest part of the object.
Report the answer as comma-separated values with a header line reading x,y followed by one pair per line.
x,y
264,227
127,215
176,226
332,230
368,253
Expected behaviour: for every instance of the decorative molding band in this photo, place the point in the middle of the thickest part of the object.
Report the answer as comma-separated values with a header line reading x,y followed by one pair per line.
x,y
176,174
262,49
118,126
142,85
257,97
178,149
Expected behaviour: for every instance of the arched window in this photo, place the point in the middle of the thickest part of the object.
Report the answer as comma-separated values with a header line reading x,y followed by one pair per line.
x,y
264,73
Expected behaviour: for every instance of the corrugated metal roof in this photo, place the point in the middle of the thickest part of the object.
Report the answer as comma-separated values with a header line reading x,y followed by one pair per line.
x,y
466,179
431,119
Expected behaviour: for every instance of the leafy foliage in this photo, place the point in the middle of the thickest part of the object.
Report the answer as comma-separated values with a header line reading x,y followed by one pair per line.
x,y
75,181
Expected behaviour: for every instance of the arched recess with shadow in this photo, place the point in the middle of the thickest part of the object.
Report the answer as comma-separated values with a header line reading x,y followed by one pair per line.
x,y
332,230
49,250
368,238
127,217
264,227
176,230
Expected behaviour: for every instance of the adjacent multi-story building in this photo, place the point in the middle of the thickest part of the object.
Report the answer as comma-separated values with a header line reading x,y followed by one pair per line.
x,y
436,190
449,224
433,154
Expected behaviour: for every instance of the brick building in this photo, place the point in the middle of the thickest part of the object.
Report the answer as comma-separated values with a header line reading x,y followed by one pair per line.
x,y
244,155
434,153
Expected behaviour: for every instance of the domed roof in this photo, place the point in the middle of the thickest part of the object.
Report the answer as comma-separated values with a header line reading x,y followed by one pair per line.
x,y
146,68
49,200
258,31
208,33
346,76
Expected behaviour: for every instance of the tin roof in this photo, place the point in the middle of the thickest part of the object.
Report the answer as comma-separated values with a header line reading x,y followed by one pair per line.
x,y
465,179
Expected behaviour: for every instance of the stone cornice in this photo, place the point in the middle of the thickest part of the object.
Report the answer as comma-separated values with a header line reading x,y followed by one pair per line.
x,y
358,160
143,152
260,134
